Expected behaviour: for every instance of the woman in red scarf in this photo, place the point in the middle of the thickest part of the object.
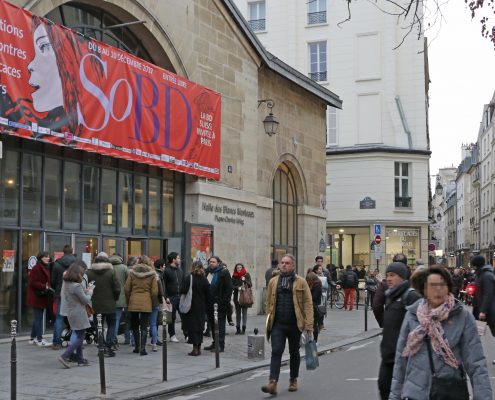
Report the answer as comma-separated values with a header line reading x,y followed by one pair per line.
x,y
240,280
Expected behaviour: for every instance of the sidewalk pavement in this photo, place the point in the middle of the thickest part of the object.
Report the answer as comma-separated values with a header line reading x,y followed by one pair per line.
x,y
130,376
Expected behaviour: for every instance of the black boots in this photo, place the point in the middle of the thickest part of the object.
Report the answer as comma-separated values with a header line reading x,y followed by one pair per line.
x,y
143,343
243,329
137,341
238,330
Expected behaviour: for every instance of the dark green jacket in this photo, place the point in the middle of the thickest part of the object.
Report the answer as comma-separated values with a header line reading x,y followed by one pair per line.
x,y
107,288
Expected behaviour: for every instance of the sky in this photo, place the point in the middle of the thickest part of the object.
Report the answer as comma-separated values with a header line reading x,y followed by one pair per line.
x,y
462,74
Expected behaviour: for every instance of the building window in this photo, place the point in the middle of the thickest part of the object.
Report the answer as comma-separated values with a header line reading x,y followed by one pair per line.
x,y
284,215
256,12
402,185
332,126
317,12
318,61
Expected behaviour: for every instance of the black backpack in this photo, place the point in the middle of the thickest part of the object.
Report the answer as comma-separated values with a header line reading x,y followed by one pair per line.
x,y
350,279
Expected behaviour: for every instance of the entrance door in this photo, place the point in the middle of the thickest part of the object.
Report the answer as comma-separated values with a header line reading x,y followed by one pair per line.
x,y
112,245
55,243
30,249
86,248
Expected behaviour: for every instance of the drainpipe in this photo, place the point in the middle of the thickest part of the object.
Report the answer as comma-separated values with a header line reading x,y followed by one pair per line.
x,y
404,121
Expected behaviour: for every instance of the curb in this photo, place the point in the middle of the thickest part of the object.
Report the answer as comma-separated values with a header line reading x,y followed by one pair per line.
x,y
330,348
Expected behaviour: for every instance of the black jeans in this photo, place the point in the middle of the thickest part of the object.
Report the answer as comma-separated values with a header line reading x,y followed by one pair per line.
x,y
280,333
222,319
385,380
140,320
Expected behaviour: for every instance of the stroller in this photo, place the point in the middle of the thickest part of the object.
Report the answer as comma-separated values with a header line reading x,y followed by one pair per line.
x,y
89,338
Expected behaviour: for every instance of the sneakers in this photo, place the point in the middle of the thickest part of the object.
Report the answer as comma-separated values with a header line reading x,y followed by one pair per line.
x,y
210,347
154,348
64,362
83,363
174,339
41,343
56,346
231,323
158,343
32,341
109,353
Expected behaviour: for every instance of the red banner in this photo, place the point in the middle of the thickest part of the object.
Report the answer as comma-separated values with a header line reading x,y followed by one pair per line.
x,y
61,87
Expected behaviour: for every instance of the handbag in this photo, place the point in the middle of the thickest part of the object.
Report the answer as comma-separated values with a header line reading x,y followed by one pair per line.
x,y
452,388
246,297
312,361
89,310
45,292
186,299
481,326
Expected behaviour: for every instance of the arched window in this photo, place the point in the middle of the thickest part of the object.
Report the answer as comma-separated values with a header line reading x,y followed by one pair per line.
x,y
100,25
284,214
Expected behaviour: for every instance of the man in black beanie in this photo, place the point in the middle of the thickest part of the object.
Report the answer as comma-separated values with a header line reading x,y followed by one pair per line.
x,y
397,297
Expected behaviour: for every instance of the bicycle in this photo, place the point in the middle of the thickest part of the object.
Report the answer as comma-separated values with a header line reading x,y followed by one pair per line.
x,y
336,298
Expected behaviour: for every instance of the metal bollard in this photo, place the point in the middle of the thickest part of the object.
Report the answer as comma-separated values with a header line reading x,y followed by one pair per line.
x,y
164,345
13,360
217,336
357,298
366,299
101,355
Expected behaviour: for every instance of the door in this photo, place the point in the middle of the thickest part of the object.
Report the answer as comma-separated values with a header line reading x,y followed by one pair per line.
x,y
86,248
55,243
30,249
113,245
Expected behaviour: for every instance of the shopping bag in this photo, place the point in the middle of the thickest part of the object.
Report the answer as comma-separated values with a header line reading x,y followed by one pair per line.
x,y
481,325
312,361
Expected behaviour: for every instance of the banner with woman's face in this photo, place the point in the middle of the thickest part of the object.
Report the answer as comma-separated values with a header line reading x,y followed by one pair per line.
x,y
61,87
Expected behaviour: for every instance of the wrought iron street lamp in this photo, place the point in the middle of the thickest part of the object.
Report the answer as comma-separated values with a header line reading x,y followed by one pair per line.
x,y
270,123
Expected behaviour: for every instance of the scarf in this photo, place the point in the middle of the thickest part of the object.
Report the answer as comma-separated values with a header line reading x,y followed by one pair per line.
x,y
239,275
286,280
430,325
214,272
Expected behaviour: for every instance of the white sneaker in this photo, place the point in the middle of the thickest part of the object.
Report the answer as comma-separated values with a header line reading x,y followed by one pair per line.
x,y
154,348
174,339
41,343
32,341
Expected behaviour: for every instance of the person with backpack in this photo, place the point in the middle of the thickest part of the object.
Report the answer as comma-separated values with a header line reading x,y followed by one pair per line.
x,y
350,282
398,296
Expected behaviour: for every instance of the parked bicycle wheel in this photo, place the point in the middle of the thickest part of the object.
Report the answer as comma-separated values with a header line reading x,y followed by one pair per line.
x,y
338,299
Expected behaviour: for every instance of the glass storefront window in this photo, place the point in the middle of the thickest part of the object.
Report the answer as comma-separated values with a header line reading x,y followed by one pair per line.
x,y
72,196
53,186
154,249
154,204
405,241
55,244
178,199
140,204
30,248
114,246
91,195
108,201
9,188
125,202
168,207
86,249
9,270
31,190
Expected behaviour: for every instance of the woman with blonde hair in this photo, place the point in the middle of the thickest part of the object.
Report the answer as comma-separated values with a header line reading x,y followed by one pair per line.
x,y
141,288
194,320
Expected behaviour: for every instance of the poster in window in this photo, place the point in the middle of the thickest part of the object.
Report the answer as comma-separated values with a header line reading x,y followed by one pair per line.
x,y
8,260
199,243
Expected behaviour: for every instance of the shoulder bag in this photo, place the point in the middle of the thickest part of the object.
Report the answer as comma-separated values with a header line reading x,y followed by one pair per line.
x,y
443,388
186,299
245,296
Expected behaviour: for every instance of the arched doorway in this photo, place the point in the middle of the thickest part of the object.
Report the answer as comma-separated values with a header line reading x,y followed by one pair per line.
x,y
284,213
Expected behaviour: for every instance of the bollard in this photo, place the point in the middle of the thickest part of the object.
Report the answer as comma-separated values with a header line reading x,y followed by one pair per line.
x,y
164,345
217,336
101,355
357,299
13,361
366,299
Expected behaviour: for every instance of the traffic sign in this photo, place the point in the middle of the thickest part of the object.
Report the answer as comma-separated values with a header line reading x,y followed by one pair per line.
x,y
378,239
378,229
378,252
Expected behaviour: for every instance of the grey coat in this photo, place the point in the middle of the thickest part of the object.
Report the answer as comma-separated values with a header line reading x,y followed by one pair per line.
x,y
121,272
63,295
73,301
412,375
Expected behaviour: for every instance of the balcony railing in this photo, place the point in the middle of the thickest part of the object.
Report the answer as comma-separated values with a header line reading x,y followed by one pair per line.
x,y
318,76
257,24
403,202
317,17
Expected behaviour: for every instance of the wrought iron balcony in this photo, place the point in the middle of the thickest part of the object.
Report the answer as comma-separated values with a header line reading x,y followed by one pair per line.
x,y
318,76
317,17
403,202
257,24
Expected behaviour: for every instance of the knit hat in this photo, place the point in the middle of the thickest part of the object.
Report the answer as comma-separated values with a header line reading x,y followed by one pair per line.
x,y
101,257
398,268
478,261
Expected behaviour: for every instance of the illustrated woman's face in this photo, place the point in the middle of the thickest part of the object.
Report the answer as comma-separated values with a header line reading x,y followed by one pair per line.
x,y
45,77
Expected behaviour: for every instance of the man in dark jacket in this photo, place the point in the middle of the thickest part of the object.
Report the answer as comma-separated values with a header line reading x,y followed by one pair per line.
x,y
172,281
105,296
269,272
484,296
397,297
221,292
59,267
350,282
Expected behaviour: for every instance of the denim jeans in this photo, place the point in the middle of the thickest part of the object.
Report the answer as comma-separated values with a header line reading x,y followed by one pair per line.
x,y
36,331
153,324
59,323
280,333
111,332
118,316
222,320
76,345
174,300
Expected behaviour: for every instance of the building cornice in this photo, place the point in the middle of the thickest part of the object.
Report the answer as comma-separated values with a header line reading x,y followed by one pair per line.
x,y
375,149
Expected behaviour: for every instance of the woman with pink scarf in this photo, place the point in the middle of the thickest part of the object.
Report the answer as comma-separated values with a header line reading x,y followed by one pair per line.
x,y
438,334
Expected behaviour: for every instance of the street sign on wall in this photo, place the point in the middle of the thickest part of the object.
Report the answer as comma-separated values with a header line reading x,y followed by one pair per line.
x,y
378,229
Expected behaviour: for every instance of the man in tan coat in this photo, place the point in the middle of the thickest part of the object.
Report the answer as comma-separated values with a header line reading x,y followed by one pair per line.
x,y
290,312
